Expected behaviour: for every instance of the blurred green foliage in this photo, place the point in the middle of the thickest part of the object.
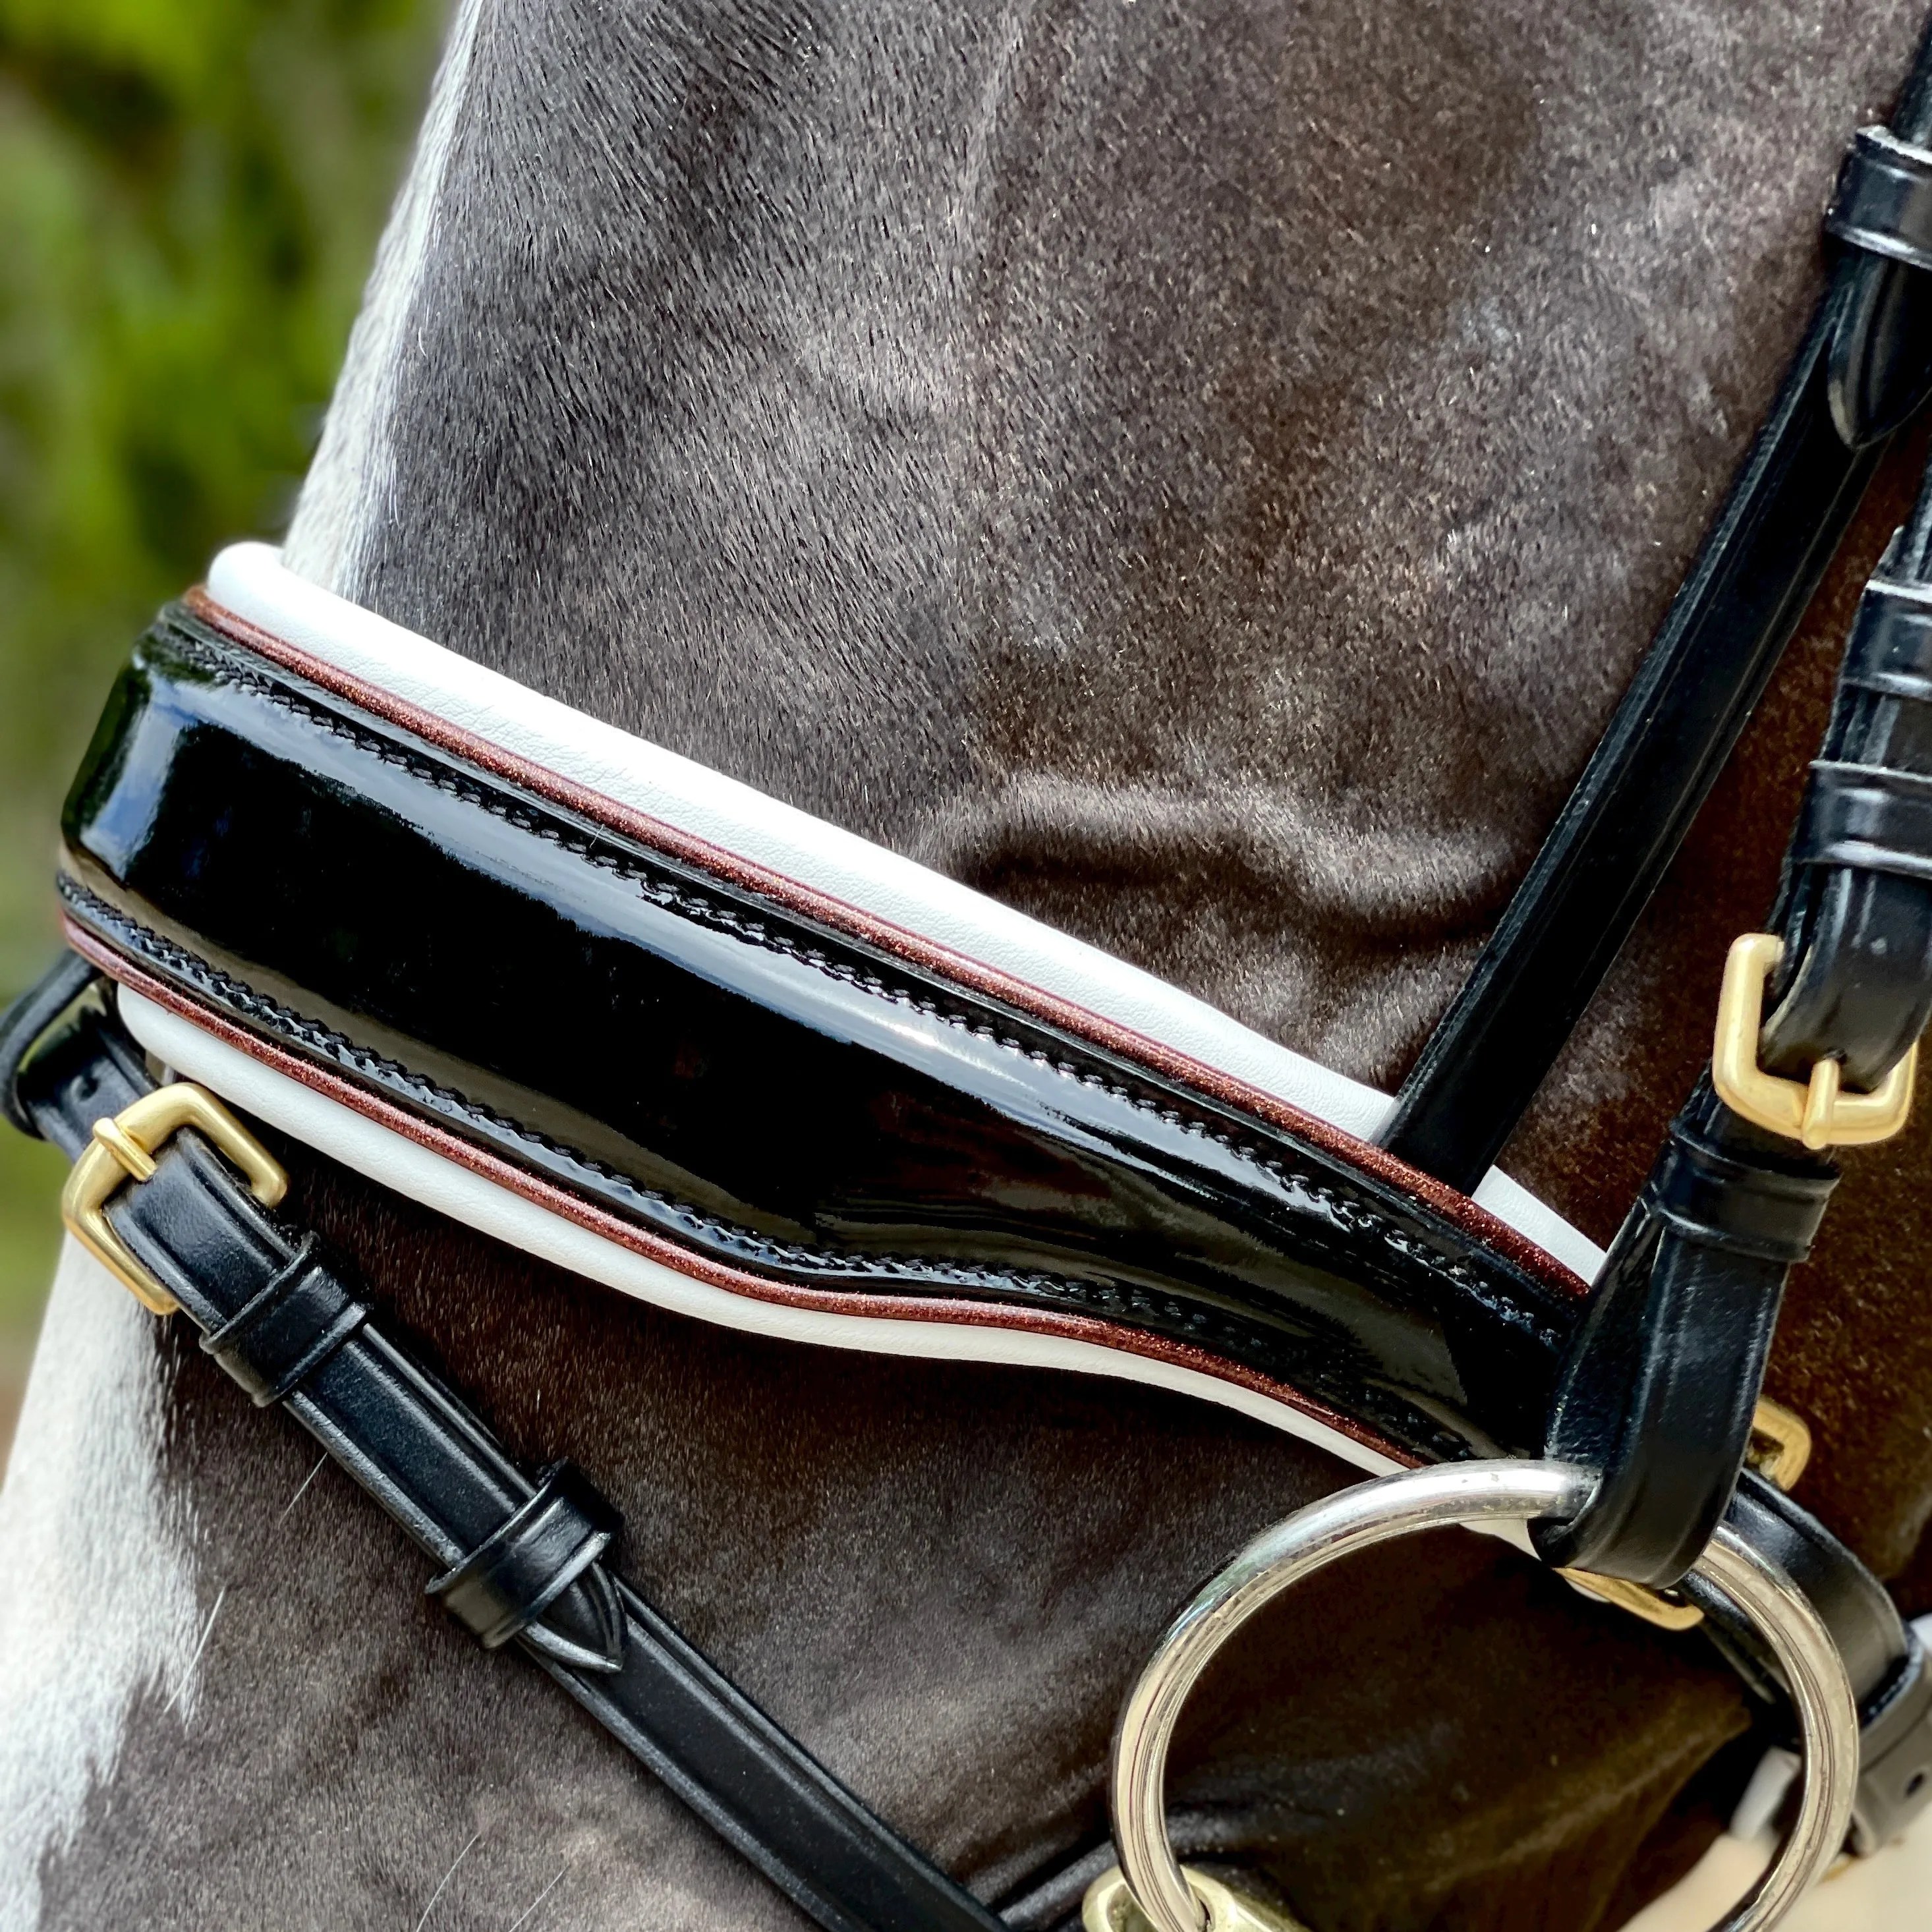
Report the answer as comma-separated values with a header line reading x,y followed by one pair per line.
x,y
190,192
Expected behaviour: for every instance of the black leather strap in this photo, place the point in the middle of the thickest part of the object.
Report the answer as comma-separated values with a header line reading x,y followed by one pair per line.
x,y
507,1583
1855,910
1886,1664
1884,200
1894,1756
752,1088
1864,368
522,1562
30,1016
1661,1380
1662,1376
280,1336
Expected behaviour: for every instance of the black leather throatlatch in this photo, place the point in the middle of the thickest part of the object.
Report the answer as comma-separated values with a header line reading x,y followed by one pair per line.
x,y
523,1563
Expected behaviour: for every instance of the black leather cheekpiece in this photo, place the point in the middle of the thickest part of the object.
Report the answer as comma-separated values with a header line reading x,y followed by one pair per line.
x,y
1890,650
1856,909
1660,1388
1883,204
1868,816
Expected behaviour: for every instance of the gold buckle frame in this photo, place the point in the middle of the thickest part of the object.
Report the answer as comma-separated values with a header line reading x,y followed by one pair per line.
x,y
1818,1112
124,1149
1781,1443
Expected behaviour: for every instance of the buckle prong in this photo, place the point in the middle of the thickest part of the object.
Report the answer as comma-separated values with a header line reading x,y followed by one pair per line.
x,y
1817,1111
124,1148
136,1161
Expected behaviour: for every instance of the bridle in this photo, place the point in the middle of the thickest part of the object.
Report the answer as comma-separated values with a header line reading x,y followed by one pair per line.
x,y
295,818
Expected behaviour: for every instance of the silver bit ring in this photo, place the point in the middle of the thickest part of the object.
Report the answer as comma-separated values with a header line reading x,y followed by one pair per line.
x,y
1376,1512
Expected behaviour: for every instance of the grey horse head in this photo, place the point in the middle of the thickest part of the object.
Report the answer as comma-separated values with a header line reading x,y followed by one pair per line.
x,y
1203,474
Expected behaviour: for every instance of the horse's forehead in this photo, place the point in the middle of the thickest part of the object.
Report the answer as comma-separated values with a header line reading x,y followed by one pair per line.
x,y
1166,469
945,337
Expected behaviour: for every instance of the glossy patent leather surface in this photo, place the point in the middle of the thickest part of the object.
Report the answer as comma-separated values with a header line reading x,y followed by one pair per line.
x,y
773,1097
527,1561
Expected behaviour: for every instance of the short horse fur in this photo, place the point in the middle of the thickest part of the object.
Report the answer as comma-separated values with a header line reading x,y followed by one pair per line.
x,y
1203,474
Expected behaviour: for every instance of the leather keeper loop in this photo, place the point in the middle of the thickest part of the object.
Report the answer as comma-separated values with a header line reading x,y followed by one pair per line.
x,y
1890,651
1883,203
515,1574
1718,1200
288,1330
1870,818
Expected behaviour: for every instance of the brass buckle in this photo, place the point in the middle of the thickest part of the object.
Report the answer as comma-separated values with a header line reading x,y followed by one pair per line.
x,y
1817,1112
1640,1599
124,1149
1781,1446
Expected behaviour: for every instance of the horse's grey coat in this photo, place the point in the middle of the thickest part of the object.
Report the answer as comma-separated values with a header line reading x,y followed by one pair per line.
x,y
83,1511
1203,472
